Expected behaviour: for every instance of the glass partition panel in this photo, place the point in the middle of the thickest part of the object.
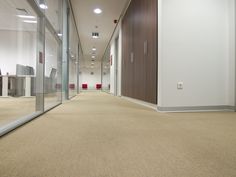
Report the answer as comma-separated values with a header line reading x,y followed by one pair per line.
x,y
73,58
52,79
18,34
53,12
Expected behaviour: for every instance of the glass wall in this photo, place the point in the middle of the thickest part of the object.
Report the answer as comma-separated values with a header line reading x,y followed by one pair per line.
x,y
52,75
18,41
106,71
30,60
73,58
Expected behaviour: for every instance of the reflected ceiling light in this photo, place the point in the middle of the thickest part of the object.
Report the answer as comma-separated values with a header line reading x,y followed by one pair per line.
x,y
26,16
93,56
97,11
94,49
30,21
59,34
42,4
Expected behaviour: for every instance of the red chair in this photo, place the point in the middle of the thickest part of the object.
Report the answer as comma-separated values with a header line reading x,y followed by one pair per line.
x,y
84,86
98,86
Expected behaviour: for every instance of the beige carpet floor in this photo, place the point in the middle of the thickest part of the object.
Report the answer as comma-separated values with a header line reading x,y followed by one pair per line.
x,y
12,109
98,135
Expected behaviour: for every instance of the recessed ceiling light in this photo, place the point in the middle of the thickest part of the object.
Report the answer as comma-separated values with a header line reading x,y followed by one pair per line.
x,y
97,11
30,21
26,16
94,49
59,34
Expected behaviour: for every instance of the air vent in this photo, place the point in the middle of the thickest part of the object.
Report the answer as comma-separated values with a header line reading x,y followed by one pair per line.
x,y
95,35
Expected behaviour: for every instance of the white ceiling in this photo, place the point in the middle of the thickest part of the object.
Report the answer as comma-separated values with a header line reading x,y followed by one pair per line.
x,y
8,18
87,20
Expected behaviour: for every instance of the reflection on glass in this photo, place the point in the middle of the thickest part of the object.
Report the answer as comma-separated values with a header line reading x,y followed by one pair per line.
x,y
52,79
18,32
73,58
53,12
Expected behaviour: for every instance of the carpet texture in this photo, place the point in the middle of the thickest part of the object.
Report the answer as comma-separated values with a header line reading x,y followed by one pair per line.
x,y
12,109
98,135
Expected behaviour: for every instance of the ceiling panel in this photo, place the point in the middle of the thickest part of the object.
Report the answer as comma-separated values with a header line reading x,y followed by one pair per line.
x,y
87,22
9,12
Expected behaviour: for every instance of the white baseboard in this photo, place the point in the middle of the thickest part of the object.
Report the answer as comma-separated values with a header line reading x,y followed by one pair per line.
x,y
196,108
140,102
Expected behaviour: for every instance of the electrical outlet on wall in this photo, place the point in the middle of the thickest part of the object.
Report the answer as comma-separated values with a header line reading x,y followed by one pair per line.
x,y
180,85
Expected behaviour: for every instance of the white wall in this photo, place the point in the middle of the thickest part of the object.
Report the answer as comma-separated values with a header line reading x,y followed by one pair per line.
x,y
196,47
19,47
16,48
91,80
119,63
118,35
106,80
112,68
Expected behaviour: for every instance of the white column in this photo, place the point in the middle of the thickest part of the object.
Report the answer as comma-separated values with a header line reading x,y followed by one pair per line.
x,y
27,86
5,86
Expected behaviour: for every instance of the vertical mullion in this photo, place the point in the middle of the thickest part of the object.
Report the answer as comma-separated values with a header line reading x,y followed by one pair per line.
x,y
40,64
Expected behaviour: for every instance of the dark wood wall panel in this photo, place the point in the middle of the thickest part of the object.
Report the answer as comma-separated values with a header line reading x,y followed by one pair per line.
x,y
139,69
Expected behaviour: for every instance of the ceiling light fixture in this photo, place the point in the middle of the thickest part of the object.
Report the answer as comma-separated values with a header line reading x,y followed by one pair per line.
x,y
59,34
93,56
26,16
94,49
97,11
95,35
30,21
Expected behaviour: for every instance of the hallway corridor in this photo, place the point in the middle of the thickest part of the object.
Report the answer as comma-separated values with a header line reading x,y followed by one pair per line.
x,y
98,135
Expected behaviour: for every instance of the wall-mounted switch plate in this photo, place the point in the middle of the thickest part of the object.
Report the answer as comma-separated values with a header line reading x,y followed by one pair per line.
x,y
180,85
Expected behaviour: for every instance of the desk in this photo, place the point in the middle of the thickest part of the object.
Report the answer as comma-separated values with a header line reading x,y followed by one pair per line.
x,y
6,83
